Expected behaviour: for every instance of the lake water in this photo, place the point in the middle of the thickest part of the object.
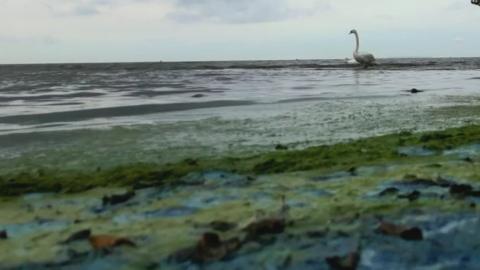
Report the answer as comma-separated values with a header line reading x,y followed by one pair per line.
x,y
136,112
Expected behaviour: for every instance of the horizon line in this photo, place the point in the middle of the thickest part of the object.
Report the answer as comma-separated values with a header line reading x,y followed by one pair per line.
x,y
218,61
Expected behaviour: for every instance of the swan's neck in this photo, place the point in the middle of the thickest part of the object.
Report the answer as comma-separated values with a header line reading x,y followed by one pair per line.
x,y
357,40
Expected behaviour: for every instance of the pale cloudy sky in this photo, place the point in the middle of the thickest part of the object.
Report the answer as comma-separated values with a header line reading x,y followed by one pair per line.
x,y
176,30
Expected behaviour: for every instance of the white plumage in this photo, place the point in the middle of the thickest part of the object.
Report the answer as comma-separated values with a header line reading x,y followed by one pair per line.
x,y
363,58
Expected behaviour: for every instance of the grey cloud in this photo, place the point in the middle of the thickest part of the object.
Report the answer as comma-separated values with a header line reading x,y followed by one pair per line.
x,y
80,7
236,11
84,10
216,11
41,40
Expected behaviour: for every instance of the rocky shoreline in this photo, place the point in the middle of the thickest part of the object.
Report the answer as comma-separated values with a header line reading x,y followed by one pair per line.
x,y
397,201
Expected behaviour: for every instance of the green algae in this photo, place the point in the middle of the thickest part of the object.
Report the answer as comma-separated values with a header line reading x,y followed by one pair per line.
x,y
347,209
343,156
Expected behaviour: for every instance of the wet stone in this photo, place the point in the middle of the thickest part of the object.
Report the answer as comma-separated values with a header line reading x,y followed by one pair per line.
x,y
412,151
412,187
222,226
78,236
171,212
333,176
280,147
389,191
413,196
413,234
353,171
317,234
348,262
36,226
435,165
434,137
72,260
414,91
406,233
118,199
413,180
463,190
207,199
265,227
209,248
314,192
467,153
216,178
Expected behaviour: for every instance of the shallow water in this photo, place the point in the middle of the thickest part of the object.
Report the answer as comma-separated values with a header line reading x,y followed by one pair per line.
x,y
100,115
59,97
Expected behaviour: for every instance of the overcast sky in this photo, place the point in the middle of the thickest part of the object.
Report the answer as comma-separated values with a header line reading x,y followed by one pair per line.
x,y
176,30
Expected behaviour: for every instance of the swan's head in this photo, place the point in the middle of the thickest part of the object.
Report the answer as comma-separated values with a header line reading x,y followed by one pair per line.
x,y
353,32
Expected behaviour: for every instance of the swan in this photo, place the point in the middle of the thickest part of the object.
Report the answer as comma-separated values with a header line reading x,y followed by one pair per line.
x,y
365,59
350,61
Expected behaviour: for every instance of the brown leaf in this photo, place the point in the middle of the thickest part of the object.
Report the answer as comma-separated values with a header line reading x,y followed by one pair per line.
x,y
102,242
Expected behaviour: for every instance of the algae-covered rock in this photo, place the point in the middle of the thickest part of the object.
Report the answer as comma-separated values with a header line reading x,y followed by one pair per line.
x,y
216,178
78,236
331,200
222,226
265,227
347,262
328,158
208,249
404,232
117,198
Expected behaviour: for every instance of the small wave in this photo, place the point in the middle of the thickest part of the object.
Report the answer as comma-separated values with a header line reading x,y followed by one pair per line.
x,y
141,68
81,115
208,74
51,125
306,87
153,93
49,97
314,98
65,104
128,86
224,79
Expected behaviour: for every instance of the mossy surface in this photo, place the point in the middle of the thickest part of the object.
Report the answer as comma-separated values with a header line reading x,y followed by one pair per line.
x,y
336,157
163,220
